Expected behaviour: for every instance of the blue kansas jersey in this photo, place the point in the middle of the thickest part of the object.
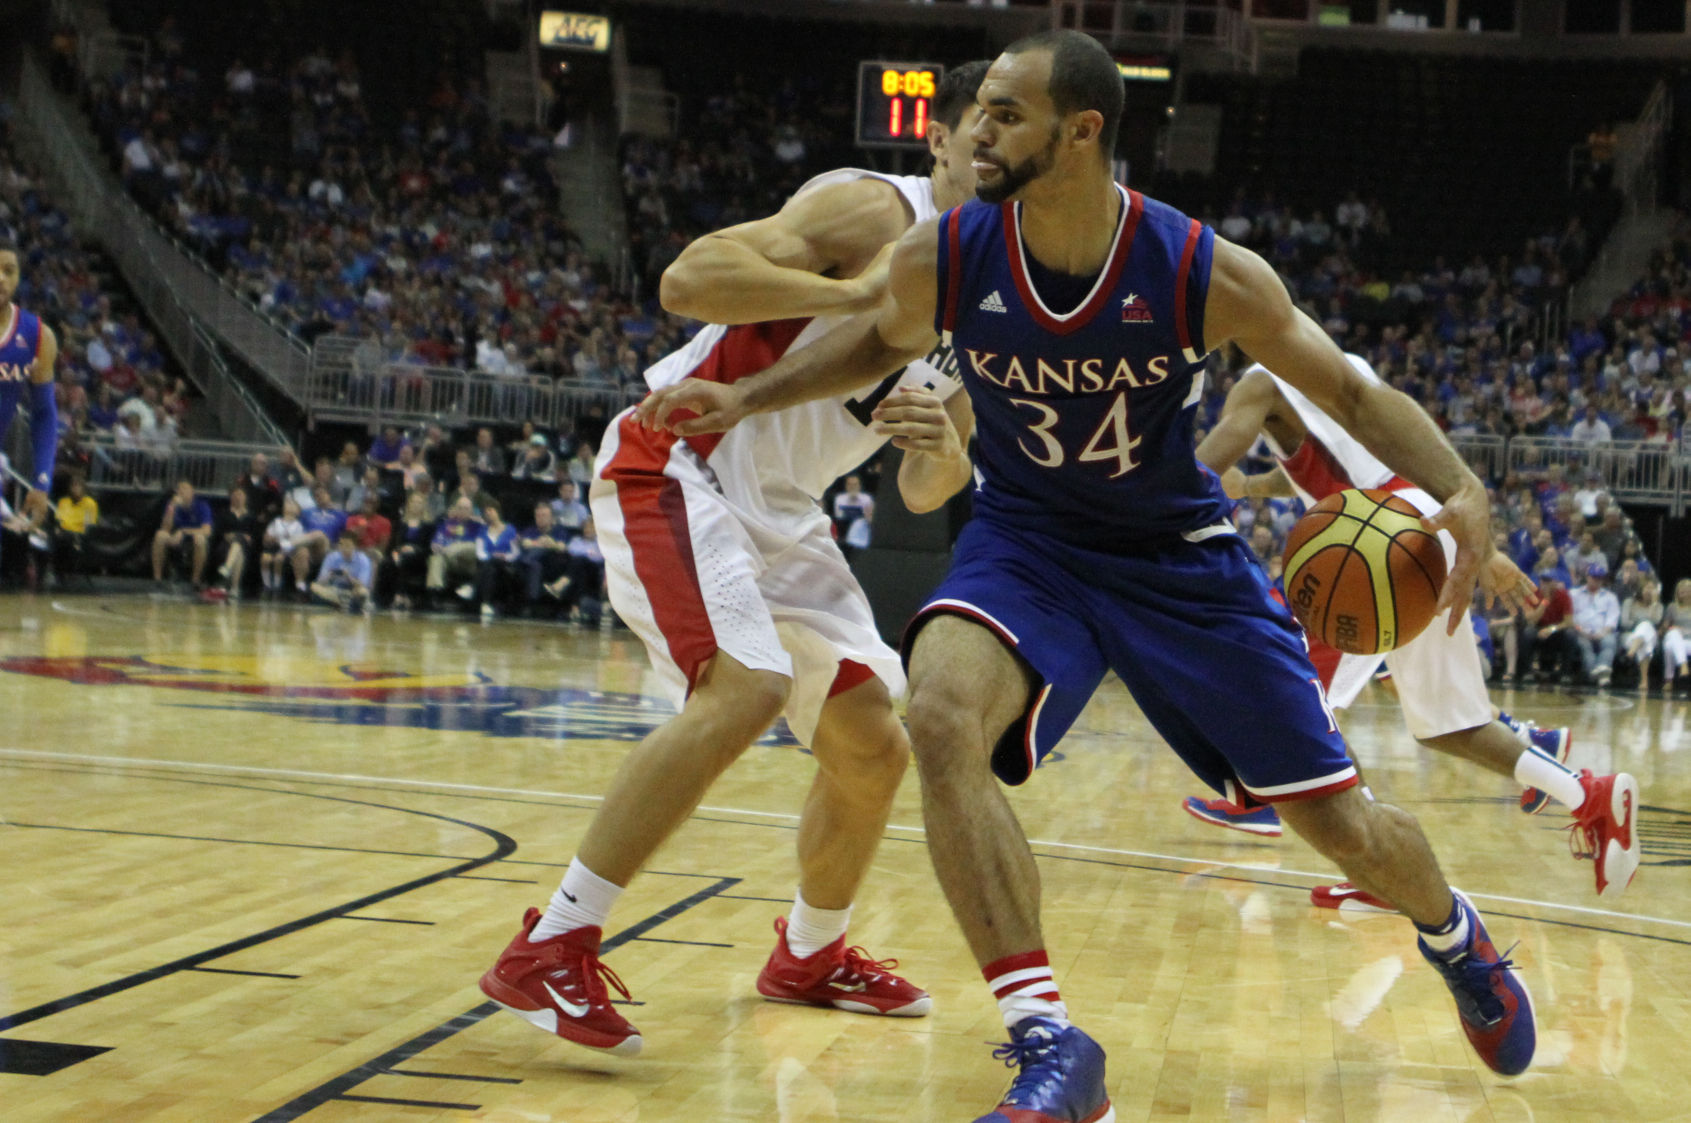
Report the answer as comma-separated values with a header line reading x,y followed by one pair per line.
x,y
18,348
1085,418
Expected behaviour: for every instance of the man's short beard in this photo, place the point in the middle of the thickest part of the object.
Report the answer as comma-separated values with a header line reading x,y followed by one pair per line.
x,y
1018,177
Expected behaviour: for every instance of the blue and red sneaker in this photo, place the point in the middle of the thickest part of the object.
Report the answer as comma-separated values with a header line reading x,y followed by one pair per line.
x,y
1225,813
1061,1078
1491,999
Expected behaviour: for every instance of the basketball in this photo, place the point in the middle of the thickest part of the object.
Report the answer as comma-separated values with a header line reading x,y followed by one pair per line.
x,y
1362,574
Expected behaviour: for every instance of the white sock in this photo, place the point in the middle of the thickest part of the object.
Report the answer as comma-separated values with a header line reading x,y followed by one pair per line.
x,y
1015,1007
1452,934
1534,769
583,900
810,929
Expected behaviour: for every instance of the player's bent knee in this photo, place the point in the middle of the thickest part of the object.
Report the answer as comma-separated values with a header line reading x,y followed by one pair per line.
x,y
865,754
945,732
740,703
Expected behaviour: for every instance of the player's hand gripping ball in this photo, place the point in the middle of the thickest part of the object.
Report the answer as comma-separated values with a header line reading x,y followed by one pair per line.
x,y
1361,573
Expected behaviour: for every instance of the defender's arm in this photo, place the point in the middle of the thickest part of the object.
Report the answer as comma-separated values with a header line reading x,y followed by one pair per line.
x,y
777,267
864,349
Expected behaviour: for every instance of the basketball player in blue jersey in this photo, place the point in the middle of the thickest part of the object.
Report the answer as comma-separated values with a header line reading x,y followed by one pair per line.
x,y
1081,313
28,354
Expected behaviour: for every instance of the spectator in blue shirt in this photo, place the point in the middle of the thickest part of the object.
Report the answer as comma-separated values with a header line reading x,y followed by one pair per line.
x,y
187,520
323,525
344,580
545,560
384,450
1597,615
497,552
568,511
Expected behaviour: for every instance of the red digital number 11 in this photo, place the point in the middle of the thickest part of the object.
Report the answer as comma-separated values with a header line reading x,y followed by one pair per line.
x,y
918,117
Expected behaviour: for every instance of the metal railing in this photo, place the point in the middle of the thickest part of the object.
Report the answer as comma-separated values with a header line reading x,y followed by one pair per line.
x,y
212,467
351,380
1653,472
1486,454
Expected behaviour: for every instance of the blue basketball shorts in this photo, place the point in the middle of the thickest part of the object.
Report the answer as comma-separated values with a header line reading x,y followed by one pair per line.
x,y
1218,667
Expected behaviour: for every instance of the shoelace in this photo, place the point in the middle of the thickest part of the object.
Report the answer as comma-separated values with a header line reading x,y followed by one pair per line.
x,y
856,961
595,973
1474,976
1036,1056
1584,829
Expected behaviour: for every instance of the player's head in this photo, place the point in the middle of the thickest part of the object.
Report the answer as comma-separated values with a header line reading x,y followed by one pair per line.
x,y
1050,100
955,113
11,266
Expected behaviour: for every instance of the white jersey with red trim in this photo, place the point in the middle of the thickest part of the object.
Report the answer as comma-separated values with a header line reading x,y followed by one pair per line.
x,y
779,464
1329,460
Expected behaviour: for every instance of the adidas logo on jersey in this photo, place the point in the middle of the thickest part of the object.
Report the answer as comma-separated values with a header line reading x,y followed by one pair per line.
x,y
993,303
1134,310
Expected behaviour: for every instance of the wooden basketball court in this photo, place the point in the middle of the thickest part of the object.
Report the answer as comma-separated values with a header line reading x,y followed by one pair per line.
x,y
253,860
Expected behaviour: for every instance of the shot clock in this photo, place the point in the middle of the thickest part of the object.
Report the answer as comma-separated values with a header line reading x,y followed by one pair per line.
x,y
895,101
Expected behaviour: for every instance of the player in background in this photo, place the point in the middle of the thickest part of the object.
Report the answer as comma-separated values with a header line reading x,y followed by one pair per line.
x,y
1440,685
28,353
720,558
1081,313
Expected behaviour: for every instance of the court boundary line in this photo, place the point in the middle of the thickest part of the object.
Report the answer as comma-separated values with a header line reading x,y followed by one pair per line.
x,y
336,1088
503,847
306,775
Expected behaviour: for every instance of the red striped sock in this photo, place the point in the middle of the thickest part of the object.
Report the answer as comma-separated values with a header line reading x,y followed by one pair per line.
x,y
1025,988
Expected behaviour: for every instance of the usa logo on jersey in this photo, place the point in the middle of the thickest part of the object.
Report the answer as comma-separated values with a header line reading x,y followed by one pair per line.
x,y
1134,310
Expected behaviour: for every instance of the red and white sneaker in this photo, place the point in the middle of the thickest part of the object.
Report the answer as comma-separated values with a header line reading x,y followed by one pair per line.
x,y
841,977
1604,830
559,984
1346,897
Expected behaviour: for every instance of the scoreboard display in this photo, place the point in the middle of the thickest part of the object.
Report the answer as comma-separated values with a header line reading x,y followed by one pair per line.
x,y
895,101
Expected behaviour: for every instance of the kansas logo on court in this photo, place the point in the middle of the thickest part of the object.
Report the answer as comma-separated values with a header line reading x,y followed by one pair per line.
x,y
369,695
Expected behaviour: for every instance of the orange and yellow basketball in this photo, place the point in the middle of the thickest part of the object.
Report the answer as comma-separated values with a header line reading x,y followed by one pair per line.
x,y
1361,573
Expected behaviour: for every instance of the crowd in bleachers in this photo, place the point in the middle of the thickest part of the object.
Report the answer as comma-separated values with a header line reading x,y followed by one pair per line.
x,y
1460,338
440,236
410,521
1603,616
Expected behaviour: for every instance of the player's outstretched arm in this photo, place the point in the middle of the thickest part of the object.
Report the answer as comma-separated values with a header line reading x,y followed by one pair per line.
x,y
1243,415
935,438
787,265
864,349
1248,304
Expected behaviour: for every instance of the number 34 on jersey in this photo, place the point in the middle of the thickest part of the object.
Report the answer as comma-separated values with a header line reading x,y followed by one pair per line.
x,y
1052,439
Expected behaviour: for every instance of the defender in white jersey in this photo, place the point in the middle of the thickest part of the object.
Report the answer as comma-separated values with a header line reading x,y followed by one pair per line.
x,y
1439,681
719,556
